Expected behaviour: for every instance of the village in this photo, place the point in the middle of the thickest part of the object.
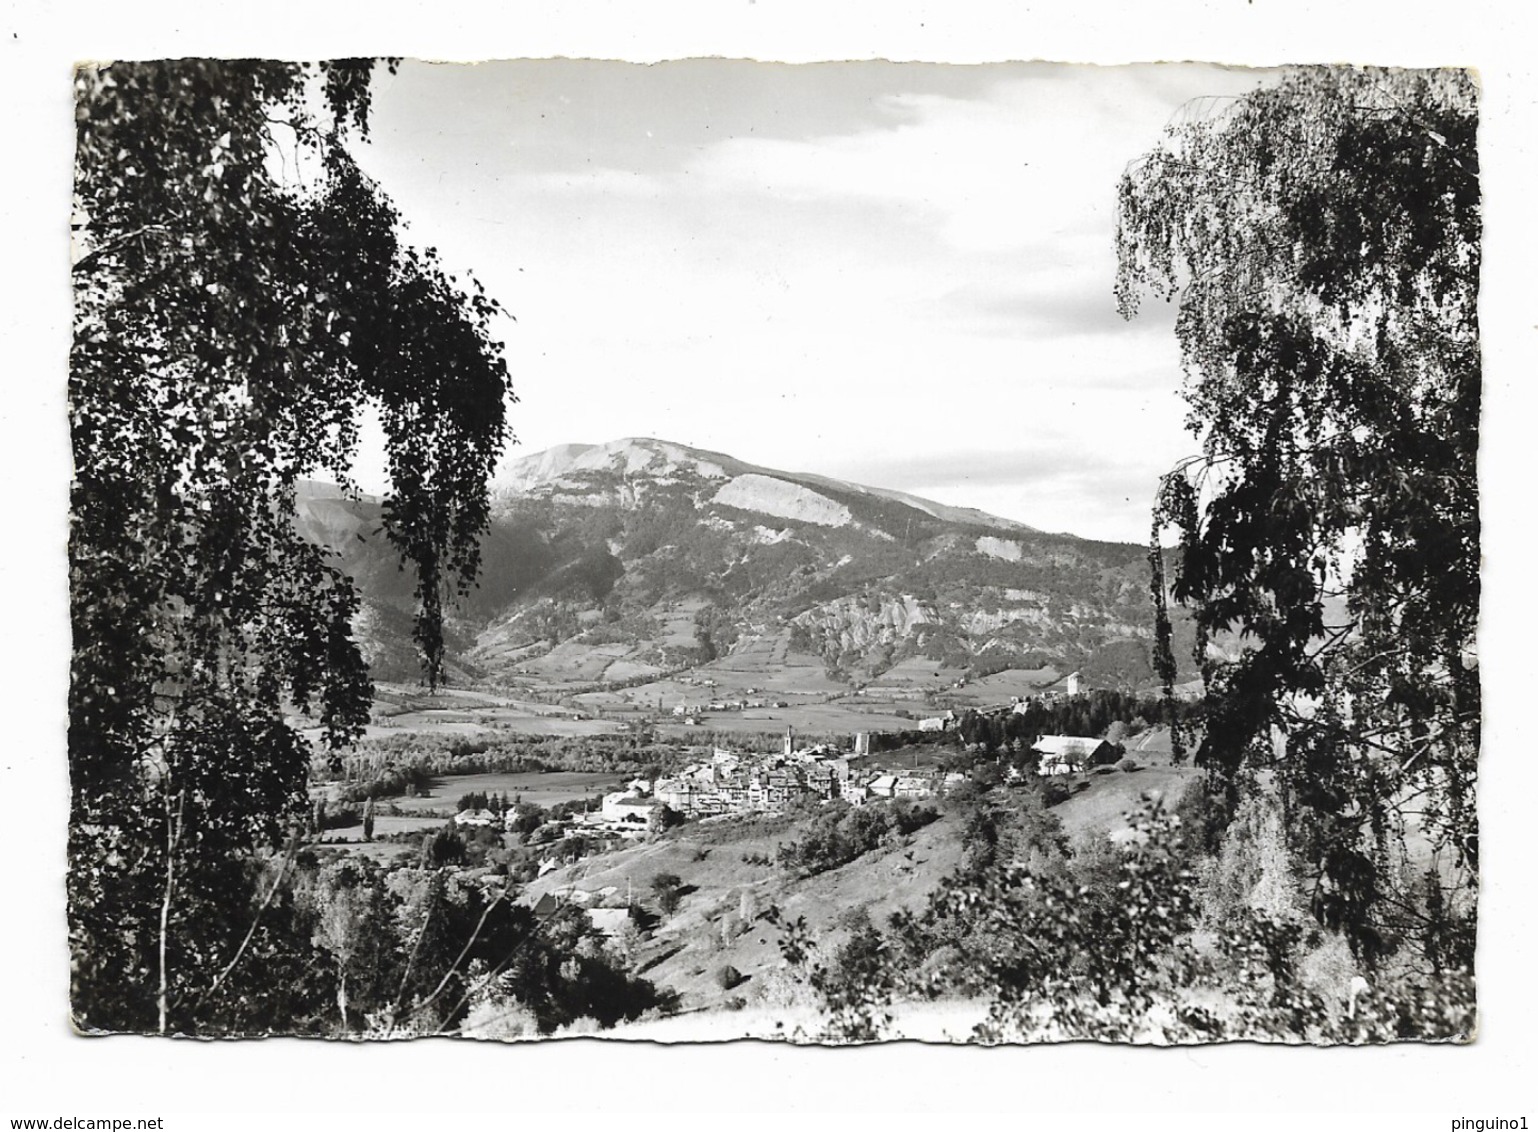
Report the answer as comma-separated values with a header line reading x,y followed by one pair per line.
x,y
732,783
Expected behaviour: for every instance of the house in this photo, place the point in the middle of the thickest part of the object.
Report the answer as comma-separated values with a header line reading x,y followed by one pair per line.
x,y
476,818
853,792
1064,754
609,921
883,786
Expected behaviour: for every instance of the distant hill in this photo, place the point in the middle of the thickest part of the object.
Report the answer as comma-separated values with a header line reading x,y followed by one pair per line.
x,y
613,562
575,470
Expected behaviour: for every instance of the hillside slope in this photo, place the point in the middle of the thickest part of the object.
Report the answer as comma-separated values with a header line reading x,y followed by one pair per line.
x,y
730,886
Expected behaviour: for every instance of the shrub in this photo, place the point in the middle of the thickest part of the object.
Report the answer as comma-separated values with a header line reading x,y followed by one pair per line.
x,y
1054,793
909,818
342,817
668,889
747,906
853,920
1130,764
731,927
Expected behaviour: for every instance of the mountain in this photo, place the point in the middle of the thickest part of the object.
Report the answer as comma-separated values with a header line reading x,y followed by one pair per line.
x,y
616,562
576,469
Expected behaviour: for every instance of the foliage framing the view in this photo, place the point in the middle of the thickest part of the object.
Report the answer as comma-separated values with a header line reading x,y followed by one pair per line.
x,y
1322,241
241,296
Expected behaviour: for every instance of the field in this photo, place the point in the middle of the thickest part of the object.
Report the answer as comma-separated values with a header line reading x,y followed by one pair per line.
x,y
441,802
541,789
998,689
917,672
549,700
839,717
1102,809
350,838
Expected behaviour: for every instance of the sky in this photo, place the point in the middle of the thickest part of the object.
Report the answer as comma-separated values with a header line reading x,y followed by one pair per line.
x,y
896,274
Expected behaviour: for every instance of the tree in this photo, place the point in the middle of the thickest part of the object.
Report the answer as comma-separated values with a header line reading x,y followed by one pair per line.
x,y
668,889
352,925
1321,240
241,295
663,818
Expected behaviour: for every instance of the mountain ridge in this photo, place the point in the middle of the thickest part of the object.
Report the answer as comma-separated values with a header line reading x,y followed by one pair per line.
x,y
547,468
607,564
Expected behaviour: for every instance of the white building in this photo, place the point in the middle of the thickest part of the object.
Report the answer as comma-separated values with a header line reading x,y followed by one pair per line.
x,y
627,807
1064,754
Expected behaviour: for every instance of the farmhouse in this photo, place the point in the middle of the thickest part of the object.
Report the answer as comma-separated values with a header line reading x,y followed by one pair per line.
x,y
1064,754
609,921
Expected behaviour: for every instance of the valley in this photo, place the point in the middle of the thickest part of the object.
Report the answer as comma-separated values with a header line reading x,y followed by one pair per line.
x,y
654,621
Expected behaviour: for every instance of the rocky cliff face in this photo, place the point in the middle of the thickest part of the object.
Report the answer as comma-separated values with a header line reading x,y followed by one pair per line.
x,y
861,624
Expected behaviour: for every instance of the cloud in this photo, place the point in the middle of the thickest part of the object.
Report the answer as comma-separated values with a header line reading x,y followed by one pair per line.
x,y
895,274
535,116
